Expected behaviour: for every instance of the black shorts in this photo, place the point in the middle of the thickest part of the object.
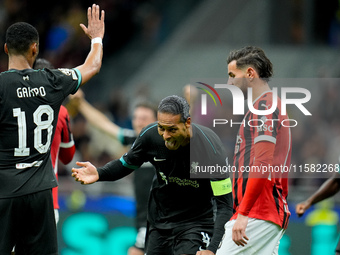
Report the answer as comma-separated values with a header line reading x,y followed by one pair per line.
x,y
28,223
181,240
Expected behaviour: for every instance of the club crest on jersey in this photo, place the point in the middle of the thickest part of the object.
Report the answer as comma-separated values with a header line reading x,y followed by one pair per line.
x,y
69,72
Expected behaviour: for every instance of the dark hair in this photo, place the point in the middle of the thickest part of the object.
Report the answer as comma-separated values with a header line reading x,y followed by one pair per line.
x,y
41,63
20,36
255,57
148,105
175,105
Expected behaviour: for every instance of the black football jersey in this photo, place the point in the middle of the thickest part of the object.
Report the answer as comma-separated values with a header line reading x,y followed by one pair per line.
x,y
182,193
29,106
177,197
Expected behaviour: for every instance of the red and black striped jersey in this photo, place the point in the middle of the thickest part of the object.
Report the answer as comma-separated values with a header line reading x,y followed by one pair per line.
x,y
62,148
271,204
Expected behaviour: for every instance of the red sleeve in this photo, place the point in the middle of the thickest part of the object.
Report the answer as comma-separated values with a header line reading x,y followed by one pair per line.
x,y
264,153
66,154
66,147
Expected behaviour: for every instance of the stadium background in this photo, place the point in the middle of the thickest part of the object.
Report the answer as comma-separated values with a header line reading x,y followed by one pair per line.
x,y
152,49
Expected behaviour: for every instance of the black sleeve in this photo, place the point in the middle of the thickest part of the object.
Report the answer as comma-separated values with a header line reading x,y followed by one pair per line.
x,y
129,162
112,171
224,212
65,79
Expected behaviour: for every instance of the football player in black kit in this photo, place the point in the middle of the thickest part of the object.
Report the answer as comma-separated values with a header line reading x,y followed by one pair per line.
x,y
29,102
144,113
180,210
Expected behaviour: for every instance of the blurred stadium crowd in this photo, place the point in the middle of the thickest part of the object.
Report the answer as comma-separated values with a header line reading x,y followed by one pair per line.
x,y
61,39
148,23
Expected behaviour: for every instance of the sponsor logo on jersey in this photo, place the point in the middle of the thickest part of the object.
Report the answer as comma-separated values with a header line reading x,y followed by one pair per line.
x,y
265,128
69,72
27,165
163,177
183,182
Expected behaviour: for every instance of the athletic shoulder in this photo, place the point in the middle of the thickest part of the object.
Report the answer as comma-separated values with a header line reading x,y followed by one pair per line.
x,y
266,100
148,137
207,137
204,131
149,130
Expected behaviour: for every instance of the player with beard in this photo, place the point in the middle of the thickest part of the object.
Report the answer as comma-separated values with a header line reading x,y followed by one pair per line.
x,y
180,210
260,197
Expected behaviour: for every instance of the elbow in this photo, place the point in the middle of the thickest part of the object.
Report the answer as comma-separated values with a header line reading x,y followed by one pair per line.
x,y
96,68
90,69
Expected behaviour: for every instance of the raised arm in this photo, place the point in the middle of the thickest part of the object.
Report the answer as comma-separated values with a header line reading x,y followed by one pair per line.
x,y
94,116
95,31
98,119
328,188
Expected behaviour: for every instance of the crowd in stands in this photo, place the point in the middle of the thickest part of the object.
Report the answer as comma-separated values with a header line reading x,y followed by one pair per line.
x,y
315,140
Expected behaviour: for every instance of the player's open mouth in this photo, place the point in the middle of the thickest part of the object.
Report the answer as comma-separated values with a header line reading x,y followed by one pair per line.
x,y
170,144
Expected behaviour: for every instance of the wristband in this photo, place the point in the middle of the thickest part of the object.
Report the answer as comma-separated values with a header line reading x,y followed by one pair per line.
x,y
97,40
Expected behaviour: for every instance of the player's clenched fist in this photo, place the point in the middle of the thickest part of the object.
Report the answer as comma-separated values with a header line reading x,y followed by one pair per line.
x,y
87,174
301,208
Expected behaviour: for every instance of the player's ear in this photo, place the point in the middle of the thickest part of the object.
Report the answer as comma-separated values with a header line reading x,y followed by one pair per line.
x,y
188,122
35,49
5,48
251,73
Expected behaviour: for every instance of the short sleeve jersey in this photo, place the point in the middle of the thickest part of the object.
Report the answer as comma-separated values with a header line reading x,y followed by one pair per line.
x,y
176,198
271,205
30,101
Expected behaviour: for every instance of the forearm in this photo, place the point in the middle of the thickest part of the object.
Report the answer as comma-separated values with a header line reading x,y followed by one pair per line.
x,y
98,119
95,31
264,153
328,188
66,154
112,171
92,63
253,191
224,212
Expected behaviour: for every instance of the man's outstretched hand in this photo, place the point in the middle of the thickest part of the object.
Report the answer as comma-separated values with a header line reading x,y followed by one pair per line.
x,y
86,174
